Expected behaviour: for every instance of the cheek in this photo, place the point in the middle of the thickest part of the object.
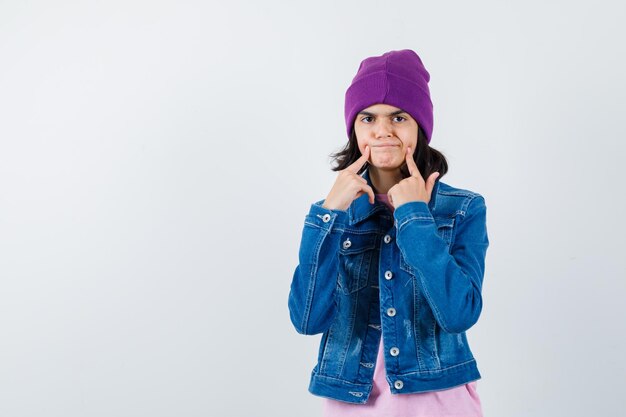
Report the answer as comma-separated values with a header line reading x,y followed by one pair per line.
x,y
361,144
409,143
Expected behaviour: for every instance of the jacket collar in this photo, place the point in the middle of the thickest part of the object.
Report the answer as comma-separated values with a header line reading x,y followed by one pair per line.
x,y
361,209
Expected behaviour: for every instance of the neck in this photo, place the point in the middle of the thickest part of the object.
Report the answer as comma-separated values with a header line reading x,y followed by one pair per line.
x,y
383,180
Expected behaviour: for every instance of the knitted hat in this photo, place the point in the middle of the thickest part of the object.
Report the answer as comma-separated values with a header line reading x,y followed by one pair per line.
x,y
397,78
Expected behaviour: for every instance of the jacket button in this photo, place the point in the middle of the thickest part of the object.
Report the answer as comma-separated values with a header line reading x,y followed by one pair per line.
x,y
388,275
387,239
394,351
326,218
398,384
347,243
391,311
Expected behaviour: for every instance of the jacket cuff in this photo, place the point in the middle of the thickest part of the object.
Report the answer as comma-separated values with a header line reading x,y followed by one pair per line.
x,y
413,210
327,218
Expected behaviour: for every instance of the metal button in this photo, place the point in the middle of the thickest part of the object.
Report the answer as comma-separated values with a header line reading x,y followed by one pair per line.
x,y
394,351
388,274
391,311
387,238
326,218
398,384
347,243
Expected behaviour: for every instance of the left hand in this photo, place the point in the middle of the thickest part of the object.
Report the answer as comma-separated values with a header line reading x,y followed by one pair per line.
x,y
412,188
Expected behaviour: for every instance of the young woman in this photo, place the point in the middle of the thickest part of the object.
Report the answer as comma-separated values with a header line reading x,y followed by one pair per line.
x,y
391,262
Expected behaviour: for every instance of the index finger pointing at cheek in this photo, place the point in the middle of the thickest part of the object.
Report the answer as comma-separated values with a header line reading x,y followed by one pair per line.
x,y
410,163
356,165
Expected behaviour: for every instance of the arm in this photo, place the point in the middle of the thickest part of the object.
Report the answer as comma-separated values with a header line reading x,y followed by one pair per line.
x,y
450,280
312,294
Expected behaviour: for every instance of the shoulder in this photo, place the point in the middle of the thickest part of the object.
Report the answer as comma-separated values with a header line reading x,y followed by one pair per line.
x,y
456,200
452,191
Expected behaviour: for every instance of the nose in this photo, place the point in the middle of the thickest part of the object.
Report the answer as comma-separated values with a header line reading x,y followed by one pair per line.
x,y
383,128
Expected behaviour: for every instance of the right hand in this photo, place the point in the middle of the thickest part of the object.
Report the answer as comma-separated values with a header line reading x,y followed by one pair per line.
x,y
349,185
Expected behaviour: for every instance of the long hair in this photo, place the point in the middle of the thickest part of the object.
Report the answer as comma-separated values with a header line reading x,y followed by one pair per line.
x,y
427,159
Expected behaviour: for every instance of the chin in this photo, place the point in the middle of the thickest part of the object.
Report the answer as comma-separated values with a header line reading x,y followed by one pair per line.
x,y
387,167
388,164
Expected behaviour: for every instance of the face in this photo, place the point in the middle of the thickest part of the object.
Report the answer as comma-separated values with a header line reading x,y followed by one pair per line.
x,y
388,131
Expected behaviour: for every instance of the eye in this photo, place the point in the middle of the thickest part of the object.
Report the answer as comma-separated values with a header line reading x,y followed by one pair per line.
x,y
366,117
400,117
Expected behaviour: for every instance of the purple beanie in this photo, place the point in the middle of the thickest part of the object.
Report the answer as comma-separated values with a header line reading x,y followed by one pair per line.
x,y
397,78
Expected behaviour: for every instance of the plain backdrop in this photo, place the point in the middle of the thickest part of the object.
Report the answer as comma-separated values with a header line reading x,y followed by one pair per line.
x,y
157,159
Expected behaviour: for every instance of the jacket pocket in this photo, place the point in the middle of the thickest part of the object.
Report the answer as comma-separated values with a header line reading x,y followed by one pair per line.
x,y
445,227
355,259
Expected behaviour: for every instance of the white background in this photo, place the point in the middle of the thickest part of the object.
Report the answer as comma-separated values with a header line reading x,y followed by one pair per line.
x,y
157,159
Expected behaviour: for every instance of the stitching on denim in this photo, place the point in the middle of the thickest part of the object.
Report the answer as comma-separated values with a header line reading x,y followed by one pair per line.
x,y
361,232
374,209
432,302
352,317
407,374
404,265
460,193
357,250
435,351
465,205
324,358
428,371
426,293
311,288
416,318
412,218
364,280
446,235
358,281
333,229
343,381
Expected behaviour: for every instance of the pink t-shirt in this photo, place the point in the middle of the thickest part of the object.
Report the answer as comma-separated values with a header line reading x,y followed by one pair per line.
x,y
461,401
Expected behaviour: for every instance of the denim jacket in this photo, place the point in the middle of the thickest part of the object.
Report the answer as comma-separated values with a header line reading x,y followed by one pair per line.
x,y
413,277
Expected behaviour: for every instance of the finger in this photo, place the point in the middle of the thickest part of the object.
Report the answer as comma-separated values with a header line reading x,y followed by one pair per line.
x,y
370,191
389,196
410,163
356,165
367,190
430,183
360,178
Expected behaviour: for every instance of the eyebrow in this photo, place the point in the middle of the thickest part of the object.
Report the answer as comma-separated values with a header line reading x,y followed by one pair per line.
x,y
390,114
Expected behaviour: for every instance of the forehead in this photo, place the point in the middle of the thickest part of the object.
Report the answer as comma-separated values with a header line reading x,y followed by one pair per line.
x,y
381,109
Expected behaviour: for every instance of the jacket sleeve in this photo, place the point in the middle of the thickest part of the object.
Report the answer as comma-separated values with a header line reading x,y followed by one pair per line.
x,y
312,294
450,279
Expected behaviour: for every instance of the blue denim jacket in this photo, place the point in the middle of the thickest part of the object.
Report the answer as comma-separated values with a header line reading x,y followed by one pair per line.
x,y
413,277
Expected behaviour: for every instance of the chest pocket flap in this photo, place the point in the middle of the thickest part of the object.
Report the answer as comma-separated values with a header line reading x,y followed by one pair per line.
x,y
445,227
355,260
